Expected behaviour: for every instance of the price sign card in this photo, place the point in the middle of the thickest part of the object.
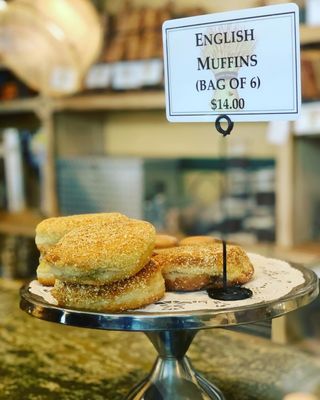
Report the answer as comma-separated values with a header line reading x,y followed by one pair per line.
x,y
245,64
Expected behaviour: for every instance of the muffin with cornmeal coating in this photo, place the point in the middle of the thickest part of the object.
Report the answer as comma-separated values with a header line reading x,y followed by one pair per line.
x,y
102,253
144,288
199,240
51,230
196,267
164,241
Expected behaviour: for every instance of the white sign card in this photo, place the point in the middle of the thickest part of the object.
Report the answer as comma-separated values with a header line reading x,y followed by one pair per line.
x,y
244,64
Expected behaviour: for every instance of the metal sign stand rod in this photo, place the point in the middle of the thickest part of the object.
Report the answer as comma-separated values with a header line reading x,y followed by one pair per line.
x,y
236,292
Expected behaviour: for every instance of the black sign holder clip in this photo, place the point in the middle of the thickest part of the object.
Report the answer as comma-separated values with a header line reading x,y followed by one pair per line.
x,y
224,132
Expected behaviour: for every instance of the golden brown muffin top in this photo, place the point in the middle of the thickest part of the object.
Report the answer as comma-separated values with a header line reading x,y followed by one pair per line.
x,y
198,240
165,241
102,244
205,256
51,230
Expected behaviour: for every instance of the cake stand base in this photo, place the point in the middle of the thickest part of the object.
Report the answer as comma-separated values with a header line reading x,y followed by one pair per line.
x,y
172,331
172,376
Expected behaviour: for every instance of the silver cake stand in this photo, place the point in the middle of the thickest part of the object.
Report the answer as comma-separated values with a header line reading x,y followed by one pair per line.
x,y
172,376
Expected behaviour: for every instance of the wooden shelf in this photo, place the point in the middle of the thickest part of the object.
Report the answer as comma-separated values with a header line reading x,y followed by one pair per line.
x,y
20,106
149,100
309,34
307,254
134,100
23,223
308,123
309,247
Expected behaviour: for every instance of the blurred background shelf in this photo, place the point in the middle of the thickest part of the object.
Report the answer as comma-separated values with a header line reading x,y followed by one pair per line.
x,y
136,100
20,106
104,123
308,124
20,224
309,34
307,253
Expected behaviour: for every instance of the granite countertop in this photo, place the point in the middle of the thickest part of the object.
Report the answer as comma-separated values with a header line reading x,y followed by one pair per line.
x,y
43,360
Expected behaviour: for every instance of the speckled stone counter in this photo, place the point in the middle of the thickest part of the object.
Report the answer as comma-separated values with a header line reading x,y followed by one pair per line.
x,y
41,360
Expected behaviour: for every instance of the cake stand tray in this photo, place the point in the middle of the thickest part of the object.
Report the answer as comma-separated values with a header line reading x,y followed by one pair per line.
x,y
171,332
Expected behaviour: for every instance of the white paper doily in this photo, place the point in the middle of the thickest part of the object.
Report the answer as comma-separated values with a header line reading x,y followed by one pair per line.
x,y
272,280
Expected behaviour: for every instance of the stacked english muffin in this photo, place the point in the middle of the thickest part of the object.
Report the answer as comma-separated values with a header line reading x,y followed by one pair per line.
x,y
99,262
51,230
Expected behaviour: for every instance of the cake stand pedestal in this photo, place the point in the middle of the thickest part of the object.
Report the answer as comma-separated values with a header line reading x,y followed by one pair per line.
x,y
172,376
